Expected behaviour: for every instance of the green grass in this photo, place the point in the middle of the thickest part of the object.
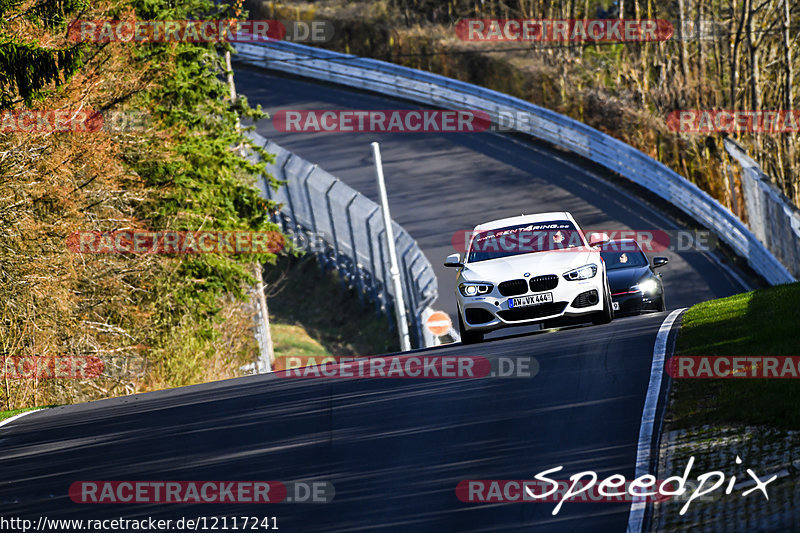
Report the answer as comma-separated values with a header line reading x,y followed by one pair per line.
x,y
8,414
292,342
313,316
762,322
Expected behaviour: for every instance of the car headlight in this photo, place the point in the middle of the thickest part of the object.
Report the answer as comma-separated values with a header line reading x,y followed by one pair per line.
x,y
474,289
584,272
647,286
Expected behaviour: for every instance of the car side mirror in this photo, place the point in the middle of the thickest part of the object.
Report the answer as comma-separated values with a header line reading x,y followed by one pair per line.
x,y
659,261
596,239
453,260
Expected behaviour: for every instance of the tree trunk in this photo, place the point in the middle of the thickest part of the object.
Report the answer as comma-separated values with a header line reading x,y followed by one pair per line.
x,y
719,67
701,56
789,140
752,49
737,40
644,60
682,43
787,57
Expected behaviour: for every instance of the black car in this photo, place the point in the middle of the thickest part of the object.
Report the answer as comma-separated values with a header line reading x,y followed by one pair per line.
x,y
634,283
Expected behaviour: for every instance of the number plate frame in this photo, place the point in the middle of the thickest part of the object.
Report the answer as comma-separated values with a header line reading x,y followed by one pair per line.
x,y
531,300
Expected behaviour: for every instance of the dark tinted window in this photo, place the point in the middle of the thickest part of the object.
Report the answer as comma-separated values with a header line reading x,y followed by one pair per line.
x,y
524,239
625,254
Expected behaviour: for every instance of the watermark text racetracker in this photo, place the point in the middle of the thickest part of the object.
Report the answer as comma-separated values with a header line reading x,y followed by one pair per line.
x,y
73,367
564,30
175,242
73,121
733,367
705,121
536,238
200,492
52,367
418,367
381,120
199,31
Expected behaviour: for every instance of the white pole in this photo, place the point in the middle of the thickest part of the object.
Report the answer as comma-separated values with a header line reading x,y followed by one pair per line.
x,y
394,271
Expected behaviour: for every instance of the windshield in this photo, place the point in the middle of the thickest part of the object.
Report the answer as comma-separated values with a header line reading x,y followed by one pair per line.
x,y
633,257
524,239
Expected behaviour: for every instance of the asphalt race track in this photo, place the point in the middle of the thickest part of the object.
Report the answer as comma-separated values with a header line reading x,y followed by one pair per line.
x,y
394,449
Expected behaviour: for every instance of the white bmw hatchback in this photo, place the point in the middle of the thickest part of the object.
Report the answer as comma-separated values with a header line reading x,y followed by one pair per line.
x,y
527,269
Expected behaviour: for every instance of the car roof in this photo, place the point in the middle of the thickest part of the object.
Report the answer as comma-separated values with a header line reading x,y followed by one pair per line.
x,y
524,219
620,241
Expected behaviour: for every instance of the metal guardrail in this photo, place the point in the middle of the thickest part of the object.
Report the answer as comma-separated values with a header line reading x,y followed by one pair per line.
x,y
562,131
773,218
345,231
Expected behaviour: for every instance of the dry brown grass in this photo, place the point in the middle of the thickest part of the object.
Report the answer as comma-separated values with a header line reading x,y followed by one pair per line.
x,y
57,303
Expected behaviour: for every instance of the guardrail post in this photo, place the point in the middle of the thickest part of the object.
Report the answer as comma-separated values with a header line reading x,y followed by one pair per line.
x,y
356,263
289,196
420,304
373,269
334,237
387,300
412,304
316,236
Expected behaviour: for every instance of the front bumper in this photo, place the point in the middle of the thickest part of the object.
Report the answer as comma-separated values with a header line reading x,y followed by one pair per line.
x,y
632,303
492,311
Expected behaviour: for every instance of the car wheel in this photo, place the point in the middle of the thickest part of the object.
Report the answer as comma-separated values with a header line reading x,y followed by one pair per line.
x,y
468,337
607,314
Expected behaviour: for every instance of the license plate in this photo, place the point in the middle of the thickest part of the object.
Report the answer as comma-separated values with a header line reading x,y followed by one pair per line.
x,y
615,305
526,301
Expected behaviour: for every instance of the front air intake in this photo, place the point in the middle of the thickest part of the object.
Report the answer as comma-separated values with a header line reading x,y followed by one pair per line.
x,y
544,283
585,299
478,316
513,287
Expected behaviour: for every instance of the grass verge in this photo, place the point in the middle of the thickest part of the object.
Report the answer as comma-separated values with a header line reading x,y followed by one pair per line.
x,y
8,414
313,316
761,322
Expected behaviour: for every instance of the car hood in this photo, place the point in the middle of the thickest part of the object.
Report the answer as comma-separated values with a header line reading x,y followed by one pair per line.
x,y
537,264
621,279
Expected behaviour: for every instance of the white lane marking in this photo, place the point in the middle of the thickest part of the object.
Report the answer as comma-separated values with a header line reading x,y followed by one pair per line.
x,y
9,420
636,516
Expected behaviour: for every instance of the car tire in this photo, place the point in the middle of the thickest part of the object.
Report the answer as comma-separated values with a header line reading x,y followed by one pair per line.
x,y
468,337
607,314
